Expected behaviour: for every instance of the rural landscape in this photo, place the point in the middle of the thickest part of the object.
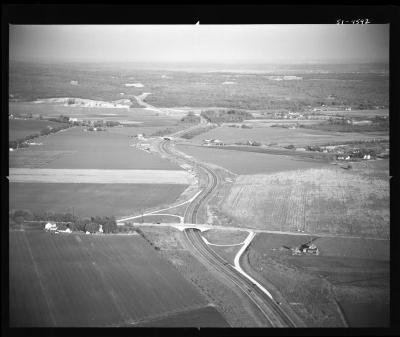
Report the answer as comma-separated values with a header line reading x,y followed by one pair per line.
x,y
222,195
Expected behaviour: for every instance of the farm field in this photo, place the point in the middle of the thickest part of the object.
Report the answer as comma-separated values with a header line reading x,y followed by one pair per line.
x,y
320,200
92,199
241,162
76,149
99,176
284,136
20,128
354,273
99,281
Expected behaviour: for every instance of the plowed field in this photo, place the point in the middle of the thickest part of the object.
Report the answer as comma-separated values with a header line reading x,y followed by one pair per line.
x,y
78,280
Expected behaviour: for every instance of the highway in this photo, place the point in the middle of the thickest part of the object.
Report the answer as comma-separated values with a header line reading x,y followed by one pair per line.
x,y
271,311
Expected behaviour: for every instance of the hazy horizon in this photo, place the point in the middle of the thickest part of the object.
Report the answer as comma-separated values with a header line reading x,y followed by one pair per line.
x,y
203,44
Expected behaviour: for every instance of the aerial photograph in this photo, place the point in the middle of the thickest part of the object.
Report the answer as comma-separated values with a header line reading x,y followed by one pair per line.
x,y
203,175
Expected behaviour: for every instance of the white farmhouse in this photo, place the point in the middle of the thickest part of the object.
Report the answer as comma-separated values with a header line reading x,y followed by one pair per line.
x,y
101,229
50,226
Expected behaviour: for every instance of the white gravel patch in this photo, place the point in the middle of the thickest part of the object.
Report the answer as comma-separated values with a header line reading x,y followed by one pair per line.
x,y
136,85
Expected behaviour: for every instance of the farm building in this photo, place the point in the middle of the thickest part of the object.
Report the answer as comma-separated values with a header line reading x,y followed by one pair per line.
x,y
305,248
101,229
50,226
212,142
67,230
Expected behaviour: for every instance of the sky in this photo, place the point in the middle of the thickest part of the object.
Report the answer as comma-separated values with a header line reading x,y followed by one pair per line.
x,y
228,44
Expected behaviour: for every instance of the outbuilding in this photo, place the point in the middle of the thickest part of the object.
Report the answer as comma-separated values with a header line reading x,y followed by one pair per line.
x,y
50,226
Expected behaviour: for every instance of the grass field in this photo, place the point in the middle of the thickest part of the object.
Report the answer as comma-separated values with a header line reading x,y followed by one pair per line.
x,y
327,200
224,237
350,273
99,176
91,199
78,280
241,162
76,149
284,136
20,128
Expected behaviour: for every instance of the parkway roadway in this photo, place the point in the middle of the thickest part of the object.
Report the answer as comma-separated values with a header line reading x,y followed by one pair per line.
x,y
271,311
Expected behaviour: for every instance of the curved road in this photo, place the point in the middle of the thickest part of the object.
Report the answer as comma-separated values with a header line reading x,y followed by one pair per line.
x,y
270,310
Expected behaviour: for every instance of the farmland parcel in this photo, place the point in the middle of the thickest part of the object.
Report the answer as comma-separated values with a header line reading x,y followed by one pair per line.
x,y
242,162
314,201
75,149
346,285
92,199
99,176
79,280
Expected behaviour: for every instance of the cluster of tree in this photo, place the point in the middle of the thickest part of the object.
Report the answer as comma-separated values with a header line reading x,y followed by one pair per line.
x,y
49,130
162,132
92,224
59,119
112,123
21,215
22,142
340,126
27,115
226,116
191,118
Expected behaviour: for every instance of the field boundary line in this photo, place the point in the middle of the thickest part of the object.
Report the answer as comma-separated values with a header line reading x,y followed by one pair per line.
x,y
149,319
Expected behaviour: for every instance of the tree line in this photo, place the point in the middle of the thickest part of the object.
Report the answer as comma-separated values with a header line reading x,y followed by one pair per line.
x,y
67,220
23,142
225,116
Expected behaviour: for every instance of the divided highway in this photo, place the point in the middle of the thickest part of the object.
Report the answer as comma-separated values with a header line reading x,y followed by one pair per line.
x,y
271,311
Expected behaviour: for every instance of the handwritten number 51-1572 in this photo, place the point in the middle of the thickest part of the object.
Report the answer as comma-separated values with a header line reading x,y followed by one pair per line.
x,y
354,22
